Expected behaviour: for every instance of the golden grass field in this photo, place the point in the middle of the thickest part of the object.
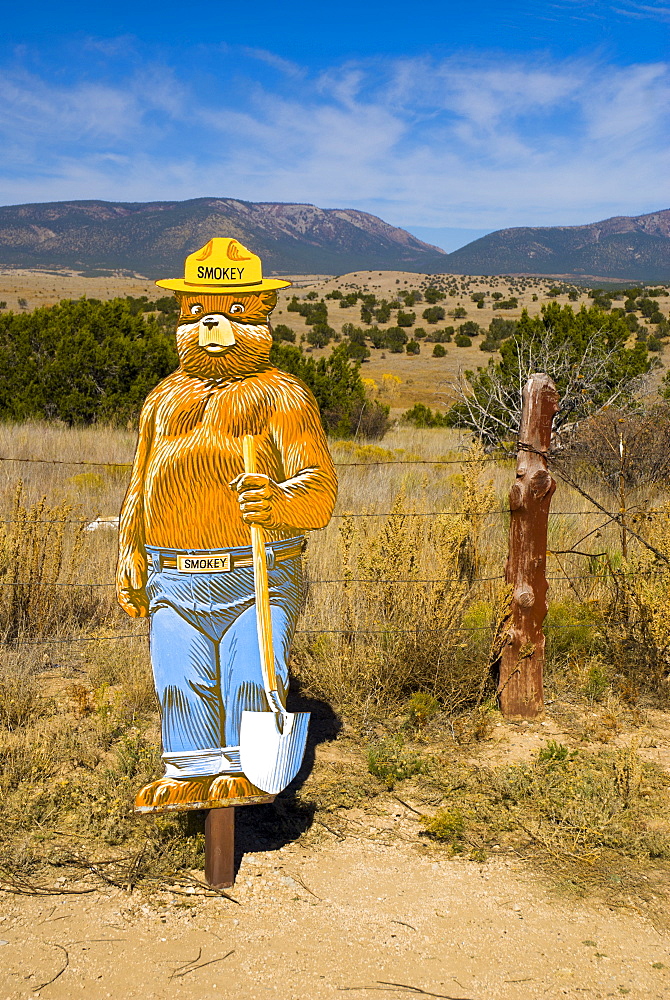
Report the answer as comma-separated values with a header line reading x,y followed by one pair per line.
x,y
408,575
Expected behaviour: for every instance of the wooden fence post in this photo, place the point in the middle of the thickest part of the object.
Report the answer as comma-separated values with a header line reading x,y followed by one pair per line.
x,y
522,663
220,847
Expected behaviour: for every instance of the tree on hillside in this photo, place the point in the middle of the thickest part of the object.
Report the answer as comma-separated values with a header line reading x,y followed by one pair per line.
x,y
337,385
85,361
585,353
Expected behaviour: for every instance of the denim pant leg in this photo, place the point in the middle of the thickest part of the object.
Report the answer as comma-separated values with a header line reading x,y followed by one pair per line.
x,y
186,674
206,660
241,674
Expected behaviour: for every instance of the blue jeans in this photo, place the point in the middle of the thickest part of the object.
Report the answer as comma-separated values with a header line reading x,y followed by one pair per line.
x,y
205,655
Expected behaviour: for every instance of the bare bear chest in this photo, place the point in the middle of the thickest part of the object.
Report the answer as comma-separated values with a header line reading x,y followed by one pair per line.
x,y
194,409
196,419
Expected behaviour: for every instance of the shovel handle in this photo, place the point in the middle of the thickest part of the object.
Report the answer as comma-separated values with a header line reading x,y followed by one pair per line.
x,y
261,587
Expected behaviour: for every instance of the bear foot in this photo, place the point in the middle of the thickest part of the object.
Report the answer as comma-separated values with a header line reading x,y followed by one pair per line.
x,y
182,794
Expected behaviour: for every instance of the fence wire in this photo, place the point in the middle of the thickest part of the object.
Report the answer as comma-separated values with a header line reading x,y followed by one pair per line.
x,y
321,631
400,461
414,581
630,513
565,578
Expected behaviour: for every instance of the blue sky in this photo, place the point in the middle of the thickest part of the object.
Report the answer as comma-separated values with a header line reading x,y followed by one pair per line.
x,y
448,119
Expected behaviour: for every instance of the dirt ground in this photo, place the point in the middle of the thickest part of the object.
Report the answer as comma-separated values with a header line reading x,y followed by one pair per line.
x,y
360,916
360,904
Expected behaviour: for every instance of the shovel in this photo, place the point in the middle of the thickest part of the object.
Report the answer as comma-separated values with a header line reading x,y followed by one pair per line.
x,y
272,744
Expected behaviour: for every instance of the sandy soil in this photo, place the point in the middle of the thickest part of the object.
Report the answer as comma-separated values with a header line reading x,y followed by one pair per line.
x,y
360,904
359,916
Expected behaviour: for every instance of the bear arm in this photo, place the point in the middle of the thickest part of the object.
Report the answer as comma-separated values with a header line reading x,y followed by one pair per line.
x,y
131,574
309,491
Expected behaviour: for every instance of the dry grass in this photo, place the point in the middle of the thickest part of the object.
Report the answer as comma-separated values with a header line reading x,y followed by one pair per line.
x,y
407,666
581,806
402,610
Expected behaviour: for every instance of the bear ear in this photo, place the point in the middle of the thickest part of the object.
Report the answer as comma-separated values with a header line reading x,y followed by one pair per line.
x,y
269,299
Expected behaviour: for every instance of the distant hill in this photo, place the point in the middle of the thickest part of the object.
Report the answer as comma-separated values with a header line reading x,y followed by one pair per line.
x,y
630,247
153,238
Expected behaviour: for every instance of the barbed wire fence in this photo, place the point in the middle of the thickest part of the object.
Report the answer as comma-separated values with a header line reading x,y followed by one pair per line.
x,y
598,510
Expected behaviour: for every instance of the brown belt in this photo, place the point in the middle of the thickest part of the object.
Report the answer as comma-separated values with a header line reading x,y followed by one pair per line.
x,y
225,561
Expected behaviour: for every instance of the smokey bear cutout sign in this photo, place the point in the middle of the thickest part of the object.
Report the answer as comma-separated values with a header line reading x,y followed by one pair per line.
x,y
231,469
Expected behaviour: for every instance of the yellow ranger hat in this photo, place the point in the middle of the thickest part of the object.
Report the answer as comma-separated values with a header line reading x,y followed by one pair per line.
x,y
223,265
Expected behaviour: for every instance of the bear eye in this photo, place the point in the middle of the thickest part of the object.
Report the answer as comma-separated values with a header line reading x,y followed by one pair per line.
x,y
196,309
236,307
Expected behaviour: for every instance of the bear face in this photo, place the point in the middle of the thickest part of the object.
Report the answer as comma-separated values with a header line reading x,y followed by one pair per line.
x,y
224,336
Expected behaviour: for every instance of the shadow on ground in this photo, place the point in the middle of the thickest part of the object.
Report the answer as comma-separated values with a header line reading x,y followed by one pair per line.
x,y
270,827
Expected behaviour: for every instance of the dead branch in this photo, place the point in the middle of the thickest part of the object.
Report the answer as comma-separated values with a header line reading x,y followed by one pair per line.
x,y
60,972
178,975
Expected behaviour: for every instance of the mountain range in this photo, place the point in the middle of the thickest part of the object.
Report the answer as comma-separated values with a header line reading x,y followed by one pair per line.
x,y
629,247
152,239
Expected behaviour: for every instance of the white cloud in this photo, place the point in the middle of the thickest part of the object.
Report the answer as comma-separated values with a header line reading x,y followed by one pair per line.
x,y
284,66
471,142
650,11
33,112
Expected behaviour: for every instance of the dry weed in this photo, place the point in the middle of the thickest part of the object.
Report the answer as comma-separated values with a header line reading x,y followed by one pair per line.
x,y
120,673
40,550
636,636
73,761
20,698
578,806
403,620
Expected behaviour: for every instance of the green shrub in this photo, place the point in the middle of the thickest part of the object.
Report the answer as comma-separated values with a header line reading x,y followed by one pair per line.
x,y
421,708
336,383
395,340
433,314
82,361
281,332
570,629
320,335
390,761
406,318
597,682
553,751
423,416
446,825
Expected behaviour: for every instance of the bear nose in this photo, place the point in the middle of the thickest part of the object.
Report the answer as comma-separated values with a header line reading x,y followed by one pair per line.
x,y
215,332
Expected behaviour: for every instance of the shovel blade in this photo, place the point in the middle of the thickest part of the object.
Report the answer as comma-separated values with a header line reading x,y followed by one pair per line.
x,y
270,759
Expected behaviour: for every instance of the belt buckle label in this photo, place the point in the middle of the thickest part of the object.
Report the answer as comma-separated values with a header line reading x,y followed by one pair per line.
x,y
204,564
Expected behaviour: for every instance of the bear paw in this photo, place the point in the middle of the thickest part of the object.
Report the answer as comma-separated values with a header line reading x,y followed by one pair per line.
x,y
176,794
